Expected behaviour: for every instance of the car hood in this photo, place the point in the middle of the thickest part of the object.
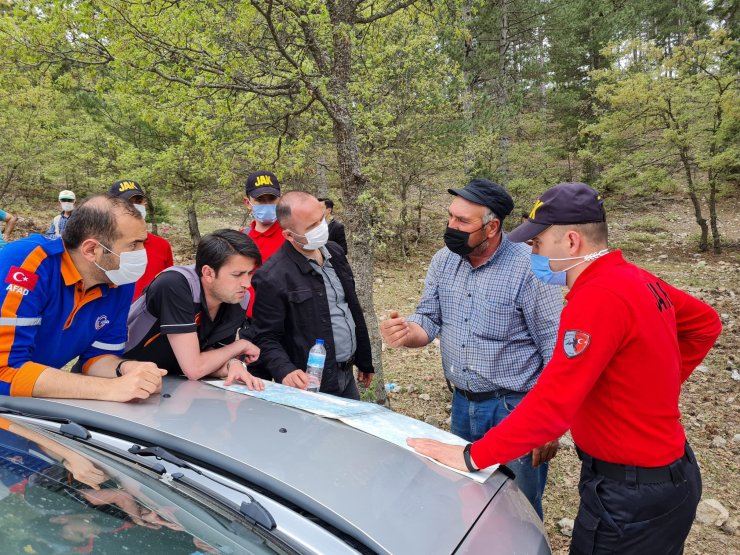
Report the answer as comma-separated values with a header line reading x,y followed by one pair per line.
x,y
387,497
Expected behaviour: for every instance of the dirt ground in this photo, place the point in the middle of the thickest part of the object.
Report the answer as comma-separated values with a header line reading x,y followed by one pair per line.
x,y
660,237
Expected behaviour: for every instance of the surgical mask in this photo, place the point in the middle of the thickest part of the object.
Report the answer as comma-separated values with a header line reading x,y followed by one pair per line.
x,y
131,267
142,210
68,206
264,213
542,271
457,241
317,237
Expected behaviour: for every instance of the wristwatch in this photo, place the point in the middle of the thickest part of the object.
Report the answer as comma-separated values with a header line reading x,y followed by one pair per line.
x,y
468,460
118,368
228,364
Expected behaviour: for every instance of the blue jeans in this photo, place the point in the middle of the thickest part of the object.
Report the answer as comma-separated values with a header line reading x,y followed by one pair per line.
x,y
472,419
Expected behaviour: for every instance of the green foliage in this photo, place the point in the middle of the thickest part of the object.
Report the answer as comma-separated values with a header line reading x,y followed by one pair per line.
x,y
189,97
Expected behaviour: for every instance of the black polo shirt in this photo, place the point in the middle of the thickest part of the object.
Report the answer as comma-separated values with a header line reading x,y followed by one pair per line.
x,y
170,301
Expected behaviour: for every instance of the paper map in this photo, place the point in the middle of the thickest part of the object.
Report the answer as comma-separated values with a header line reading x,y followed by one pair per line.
x,y
367,417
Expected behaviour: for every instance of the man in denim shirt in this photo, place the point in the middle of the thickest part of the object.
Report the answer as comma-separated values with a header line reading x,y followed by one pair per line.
x,y
497,323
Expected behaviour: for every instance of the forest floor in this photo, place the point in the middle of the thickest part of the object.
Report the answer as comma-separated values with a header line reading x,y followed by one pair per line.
x,y
659,235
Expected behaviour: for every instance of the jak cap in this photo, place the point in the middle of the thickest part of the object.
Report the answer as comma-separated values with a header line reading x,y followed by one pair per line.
x,y
262,183
565,203
64,195
126,189
487,193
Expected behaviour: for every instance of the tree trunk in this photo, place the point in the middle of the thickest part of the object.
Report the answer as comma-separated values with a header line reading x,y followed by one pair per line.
x,y
469,93
322,171
703,241
402,229
716,243
354,183
193,220
503,95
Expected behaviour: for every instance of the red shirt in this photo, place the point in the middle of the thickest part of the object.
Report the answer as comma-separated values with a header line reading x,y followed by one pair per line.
x,y
268,242
158,257
626,343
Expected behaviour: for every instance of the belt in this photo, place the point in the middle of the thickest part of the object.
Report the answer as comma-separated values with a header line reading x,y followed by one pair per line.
x,y
346,365
478,396
624,473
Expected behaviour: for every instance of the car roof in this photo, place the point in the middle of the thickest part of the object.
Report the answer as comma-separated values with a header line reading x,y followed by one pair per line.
x,y
386,497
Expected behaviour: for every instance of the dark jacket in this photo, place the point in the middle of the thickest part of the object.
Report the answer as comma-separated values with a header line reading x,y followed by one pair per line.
x,y
336,234
291,311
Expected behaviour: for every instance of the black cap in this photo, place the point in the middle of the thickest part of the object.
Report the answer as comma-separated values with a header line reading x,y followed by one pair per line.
x,y
565,203
262,183
487,193
126,188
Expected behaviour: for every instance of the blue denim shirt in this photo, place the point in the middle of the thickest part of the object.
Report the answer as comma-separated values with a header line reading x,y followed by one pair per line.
x,y
497,323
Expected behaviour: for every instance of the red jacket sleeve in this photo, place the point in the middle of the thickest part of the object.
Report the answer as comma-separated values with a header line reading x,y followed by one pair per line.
x,y
547,411
698,326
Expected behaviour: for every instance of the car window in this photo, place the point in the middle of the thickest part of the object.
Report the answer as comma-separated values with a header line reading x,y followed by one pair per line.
x,y
57,496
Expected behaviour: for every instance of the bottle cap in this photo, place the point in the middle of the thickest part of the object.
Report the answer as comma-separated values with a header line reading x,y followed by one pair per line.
x,y
319,341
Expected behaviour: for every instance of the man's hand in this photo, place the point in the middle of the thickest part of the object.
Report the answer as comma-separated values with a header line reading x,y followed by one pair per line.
x,y
365,378
448,455
395,330
236,370
83,470
297,378
250,351
139,381
543,454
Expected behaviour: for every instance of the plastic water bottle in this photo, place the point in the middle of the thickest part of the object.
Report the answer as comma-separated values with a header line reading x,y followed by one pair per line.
x,y
315,365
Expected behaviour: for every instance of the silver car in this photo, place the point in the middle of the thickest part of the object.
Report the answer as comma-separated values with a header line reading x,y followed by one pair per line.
x,y
203,470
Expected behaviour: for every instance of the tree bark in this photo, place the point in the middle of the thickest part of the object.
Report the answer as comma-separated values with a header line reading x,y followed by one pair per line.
x,y
193,219
322,173
354,183
703,240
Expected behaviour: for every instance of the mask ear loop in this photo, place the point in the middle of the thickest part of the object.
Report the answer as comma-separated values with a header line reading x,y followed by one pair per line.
x,y
595,255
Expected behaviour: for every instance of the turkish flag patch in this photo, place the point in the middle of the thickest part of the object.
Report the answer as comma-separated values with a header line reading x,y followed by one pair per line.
x,y
21,277
575,342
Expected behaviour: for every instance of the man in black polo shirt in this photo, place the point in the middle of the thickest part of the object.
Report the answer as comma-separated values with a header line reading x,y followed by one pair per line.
x,y
188,317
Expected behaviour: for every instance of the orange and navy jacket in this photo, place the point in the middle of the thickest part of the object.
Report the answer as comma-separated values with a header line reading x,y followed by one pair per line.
x,y
47,318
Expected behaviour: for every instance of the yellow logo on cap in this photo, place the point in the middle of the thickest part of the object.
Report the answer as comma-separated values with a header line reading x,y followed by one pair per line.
x,y
534,210
126,185
263,180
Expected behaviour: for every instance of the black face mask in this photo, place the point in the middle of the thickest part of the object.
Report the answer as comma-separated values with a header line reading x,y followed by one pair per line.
x,y
457,241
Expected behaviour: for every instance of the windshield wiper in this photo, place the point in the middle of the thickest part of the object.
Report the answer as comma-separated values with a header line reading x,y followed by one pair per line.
x,y
253,511
71,429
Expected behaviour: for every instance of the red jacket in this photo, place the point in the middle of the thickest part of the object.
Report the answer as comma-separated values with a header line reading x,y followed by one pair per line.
x,y
158,258
268,242
626,343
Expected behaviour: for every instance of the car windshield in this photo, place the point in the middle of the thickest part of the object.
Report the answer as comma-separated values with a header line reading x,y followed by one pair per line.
x,y
57,496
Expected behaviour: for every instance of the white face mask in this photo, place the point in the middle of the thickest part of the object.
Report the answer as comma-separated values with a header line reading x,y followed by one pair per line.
x,y
131,267
142,210
68,206
317,237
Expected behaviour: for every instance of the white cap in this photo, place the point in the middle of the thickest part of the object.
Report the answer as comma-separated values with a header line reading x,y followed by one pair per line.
x,y
67,194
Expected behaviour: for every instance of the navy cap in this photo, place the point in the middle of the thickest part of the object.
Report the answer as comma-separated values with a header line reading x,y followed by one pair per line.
x,y
565,203
126,188
262,183
487,193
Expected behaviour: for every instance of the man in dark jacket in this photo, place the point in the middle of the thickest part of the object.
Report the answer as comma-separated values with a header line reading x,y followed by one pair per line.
x,y
304,292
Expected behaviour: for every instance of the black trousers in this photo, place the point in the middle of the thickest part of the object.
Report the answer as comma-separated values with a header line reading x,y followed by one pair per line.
x,y
628,516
